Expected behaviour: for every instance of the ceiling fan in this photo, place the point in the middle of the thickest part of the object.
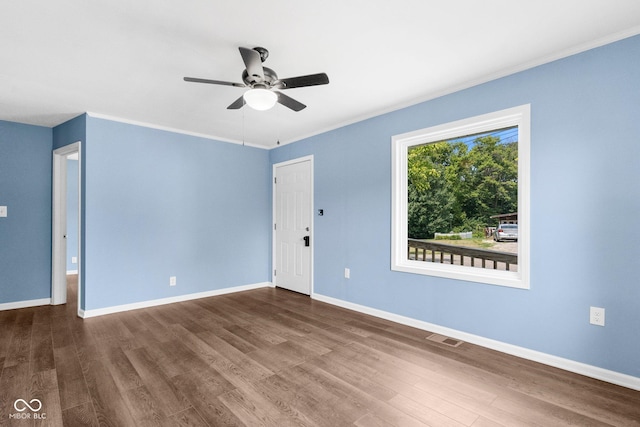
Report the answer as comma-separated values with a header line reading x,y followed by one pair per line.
x,y
263,82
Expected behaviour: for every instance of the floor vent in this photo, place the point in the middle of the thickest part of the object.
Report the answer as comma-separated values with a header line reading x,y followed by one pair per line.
x,y
444,340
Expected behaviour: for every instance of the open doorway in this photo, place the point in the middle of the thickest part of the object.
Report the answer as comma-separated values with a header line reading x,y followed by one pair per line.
x,y
66,225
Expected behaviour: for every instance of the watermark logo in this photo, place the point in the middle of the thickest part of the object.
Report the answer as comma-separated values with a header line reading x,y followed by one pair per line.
x,y
21,405
34,405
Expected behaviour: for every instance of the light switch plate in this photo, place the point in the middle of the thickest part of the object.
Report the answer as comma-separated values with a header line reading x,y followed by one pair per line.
x,y
3,211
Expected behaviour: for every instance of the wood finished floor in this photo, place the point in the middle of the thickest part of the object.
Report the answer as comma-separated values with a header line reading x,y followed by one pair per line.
x,y
275,358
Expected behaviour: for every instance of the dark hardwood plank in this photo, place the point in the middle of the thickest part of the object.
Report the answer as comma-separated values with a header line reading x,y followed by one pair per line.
x,y
252,409
145,409
452,397
124,374
187,418
264,333
362,377
61,332
226,316
363,358
15,382
7,322
108,403
19,349
371,420
240,372
71,383
174,358
170,400
476,399
151,326
202,389
233,339
484,422
204,382
41,348
277,357
249,368
336,403
424,413
540,412
43,314
292,404
81,415
44,386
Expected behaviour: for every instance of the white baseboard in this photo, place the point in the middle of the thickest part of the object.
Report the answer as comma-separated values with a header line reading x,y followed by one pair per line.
x,y
162,301
72,272
613,377
24,304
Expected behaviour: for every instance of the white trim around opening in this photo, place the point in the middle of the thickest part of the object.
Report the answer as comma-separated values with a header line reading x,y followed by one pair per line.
x,y
59,224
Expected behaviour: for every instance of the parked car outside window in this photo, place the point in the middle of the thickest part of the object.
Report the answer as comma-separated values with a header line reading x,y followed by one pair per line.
x,y
506,232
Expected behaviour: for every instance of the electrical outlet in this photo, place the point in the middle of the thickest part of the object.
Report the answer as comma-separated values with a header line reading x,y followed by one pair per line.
x,y
347,273
74,260
3,211
596,316
172,281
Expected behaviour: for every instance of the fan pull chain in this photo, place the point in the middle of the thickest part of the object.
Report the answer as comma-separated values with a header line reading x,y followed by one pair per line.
x,y
278,130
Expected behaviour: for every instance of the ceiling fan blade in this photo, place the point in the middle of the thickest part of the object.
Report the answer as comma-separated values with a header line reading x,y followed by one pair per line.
x,y
302,81
213,82
253,63
290,102
237,104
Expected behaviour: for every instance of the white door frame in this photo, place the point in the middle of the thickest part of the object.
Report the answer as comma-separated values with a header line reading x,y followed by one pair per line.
x,y
59,224
274,261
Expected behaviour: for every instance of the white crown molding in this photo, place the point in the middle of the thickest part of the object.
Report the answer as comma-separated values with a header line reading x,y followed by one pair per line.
x,y
609,376
172,130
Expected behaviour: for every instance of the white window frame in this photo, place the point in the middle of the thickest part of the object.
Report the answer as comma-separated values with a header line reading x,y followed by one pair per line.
x,y
517,116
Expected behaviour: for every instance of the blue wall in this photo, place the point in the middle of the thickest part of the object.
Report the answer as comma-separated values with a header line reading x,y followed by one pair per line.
x,y
585,205
161,204
25,234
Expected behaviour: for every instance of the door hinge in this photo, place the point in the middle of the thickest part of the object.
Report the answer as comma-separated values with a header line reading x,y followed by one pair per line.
x,y
275,226
275,180
274,272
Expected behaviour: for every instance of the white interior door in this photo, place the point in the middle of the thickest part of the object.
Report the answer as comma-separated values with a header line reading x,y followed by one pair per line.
x,y
293,217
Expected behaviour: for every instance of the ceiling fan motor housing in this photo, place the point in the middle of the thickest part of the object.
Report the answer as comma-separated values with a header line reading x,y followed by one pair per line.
x,y
268,80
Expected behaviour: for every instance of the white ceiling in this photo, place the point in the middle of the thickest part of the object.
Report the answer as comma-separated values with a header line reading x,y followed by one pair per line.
x,y
125,59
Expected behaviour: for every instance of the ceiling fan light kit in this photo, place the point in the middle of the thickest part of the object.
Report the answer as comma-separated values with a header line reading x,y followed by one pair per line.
x,y
263,81
260,99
